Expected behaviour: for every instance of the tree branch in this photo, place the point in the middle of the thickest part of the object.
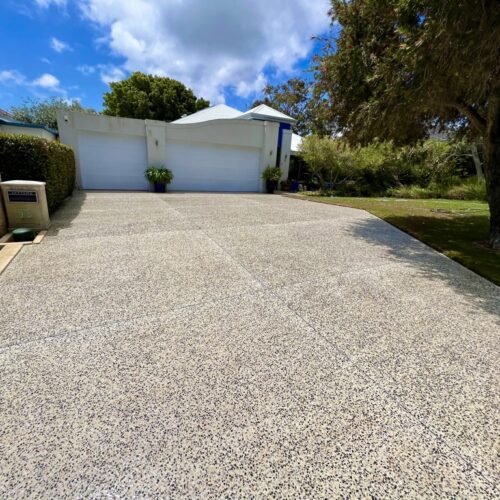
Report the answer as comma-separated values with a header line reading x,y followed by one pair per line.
x,y
477,121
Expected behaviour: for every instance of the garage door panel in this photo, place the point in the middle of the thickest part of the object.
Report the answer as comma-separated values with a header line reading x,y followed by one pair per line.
x,y
213,168
112,162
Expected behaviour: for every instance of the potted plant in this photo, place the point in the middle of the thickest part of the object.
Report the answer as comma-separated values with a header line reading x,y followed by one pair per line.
x,y
285,185
159,177
271,175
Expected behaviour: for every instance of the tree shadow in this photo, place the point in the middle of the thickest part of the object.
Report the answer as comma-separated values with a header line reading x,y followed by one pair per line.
x,y
434,267
64,216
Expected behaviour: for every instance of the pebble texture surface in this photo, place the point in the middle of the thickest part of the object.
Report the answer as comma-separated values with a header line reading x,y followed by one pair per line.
x,y
223,345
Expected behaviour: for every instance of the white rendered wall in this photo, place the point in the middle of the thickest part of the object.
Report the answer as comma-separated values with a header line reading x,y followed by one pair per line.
x,y
219,155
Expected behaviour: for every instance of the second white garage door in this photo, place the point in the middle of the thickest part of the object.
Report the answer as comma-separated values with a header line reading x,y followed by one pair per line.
x,y
213,168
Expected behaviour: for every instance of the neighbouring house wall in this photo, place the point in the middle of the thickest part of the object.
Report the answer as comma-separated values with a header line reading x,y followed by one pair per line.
x,y
249,145
37,132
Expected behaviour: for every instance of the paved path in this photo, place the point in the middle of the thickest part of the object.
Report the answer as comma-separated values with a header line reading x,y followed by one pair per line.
x,y
210,345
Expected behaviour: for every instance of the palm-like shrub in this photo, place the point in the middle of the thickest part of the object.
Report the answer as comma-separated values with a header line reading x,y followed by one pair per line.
x,y
272,174
158,175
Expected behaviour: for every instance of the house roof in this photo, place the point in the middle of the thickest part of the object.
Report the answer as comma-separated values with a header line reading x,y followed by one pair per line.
x,y
218,112
222,111
14,123
265,112
296,143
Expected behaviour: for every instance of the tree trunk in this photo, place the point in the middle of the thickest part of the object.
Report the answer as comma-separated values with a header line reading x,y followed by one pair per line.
x,y
492,166
477,163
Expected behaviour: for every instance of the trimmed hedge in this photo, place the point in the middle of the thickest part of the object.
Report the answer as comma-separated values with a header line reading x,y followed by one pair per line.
x,y
29,158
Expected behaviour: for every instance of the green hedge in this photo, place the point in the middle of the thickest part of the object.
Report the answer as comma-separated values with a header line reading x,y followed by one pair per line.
x,y
28,158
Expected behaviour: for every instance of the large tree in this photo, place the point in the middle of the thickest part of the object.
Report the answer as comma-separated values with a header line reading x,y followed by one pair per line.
x,y
401,67
151,97
300,99
43,111
292,98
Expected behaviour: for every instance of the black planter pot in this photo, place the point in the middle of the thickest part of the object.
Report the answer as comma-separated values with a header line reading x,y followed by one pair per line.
x,y
160,187
271,186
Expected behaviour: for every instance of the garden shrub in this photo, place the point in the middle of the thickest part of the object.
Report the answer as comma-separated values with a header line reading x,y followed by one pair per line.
x,y
429,169
470,189
24,157
416,192
376,167
328,160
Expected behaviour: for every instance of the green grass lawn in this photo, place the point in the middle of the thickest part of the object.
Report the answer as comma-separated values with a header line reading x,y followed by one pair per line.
x,y
458,229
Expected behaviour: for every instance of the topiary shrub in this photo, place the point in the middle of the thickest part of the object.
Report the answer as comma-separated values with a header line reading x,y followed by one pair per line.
x,y
28,158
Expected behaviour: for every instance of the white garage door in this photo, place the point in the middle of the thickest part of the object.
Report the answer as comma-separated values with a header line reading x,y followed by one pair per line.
x,y
112,162
213,168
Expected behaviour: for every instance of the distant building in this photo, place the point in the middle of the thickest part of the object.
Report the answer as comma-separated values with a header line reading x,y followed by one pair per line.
x,y
10,126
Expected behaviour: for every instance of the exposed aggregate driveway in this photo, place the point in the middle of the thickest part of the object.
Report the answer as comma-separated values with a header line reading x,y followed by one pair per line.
x,y
224,345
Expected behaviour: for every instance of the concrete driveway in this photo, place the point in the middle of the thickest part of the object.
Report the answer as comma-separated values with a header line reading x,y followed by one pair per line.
x,y
219,345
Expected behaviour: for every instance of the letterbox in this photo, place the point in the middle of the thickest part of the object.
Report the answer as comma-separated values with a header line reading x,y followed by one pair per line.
x,y
25,204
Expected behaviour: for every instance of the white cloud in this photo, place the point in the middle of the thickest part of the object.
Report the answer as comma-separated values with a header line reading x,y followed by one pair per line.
x,y
44,4
48,81
111,74
42,86
210,45
107,72
245,89
12,76
58,45
86,70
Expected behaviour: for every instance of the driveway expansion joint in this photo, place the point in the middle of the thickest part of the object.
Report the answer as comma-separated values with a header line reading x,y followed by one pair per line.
x,y
224,377
363,373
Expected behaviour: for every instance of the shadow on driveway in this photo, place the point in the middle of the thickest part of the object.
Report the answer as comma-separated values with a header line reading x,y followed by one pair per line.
x,y
64,216
478,292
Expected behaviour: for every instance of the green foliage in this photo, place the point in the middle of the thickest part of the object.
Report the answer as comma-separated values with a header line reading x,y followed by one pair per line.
x,y
328,160
151,97
379,166
25,157
469,189
272,173
398,67
201,104
427,169
417,192
294,98
43,112
159,175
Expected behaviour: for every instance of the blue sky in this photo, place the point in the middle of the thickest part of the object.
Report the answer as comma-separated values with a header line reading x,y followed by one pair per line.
x,y
225,50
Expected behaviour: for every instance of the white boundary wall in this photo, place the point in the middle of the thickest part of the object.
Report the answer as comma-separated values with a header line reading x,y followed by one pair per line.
x,y
238,144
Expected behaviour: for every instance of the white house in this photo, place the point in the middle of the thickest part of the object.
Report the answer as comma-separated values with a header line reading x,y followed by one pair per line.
x,y
215,149
296,144
10,126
